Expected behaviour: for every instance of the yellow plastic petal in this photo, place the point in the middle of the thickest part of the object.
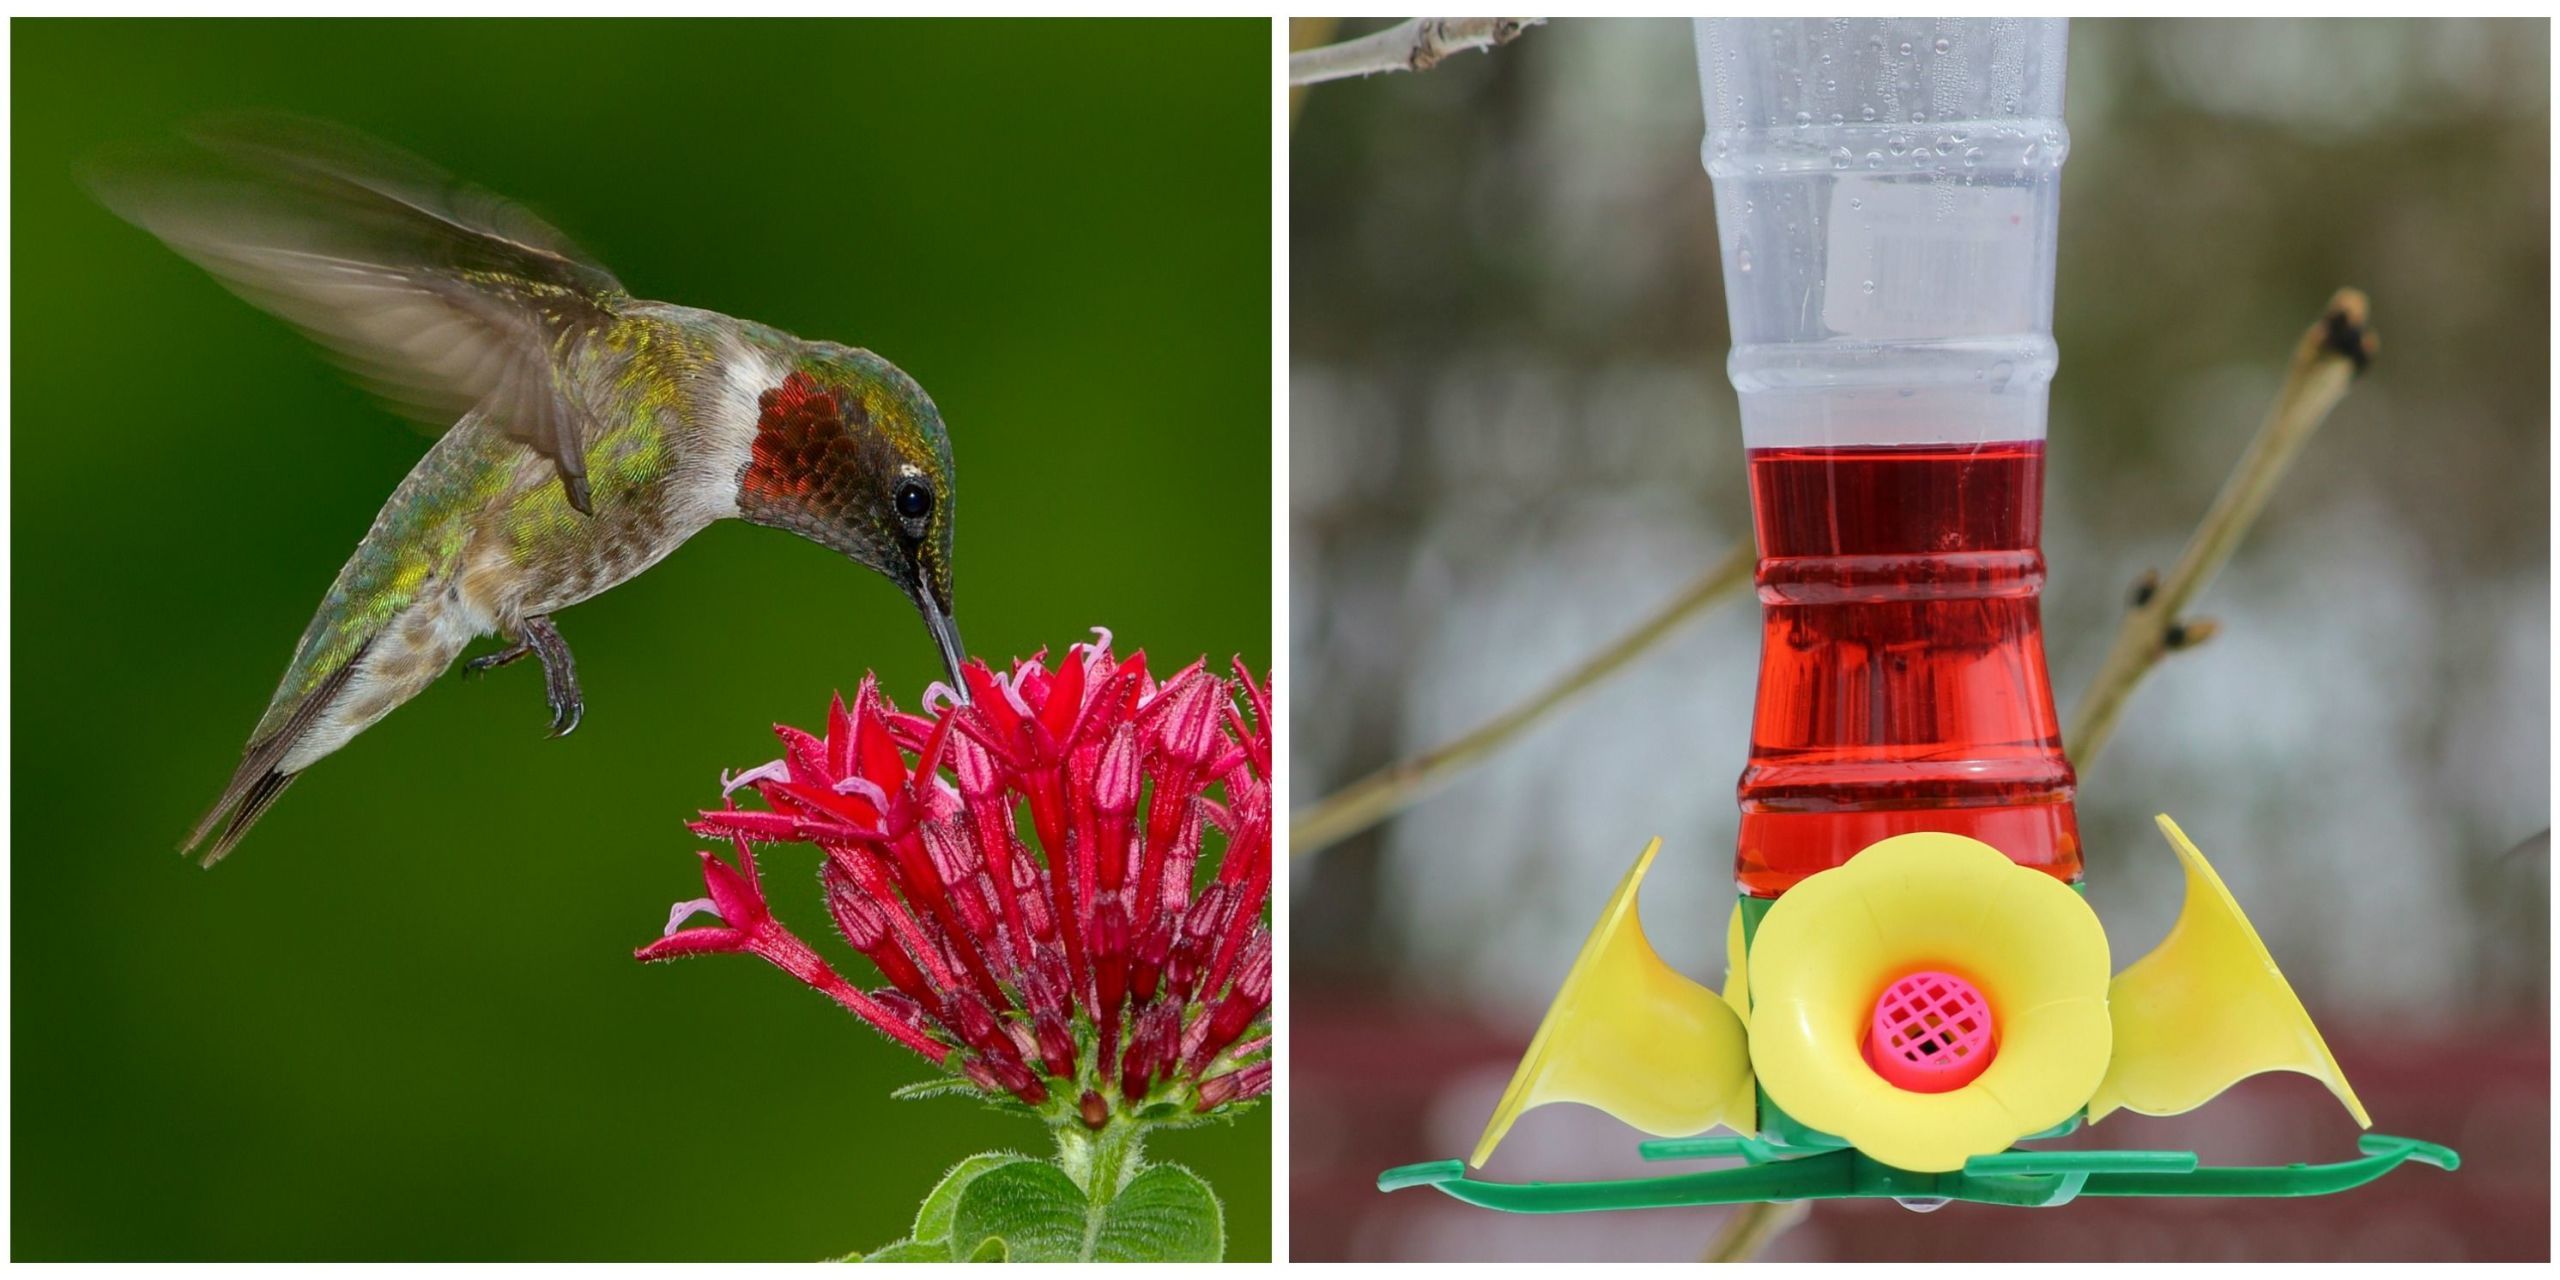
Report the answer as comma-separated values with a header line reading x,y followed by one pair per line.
x,y
1632,1036
1929,900
2207,1009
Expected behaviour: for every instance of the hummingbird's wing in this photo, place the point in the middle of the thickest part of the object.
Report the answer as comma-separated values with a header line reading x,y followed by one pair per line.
x,y
437,295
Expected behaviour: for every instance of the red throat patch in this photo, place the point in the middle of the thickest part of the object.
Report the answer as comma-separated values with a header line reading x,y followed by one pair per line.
x,y
802,448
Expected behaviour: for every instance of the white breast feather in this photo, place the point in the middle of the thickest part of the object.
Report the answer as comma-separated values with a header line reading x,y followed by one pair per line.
x,y
729,432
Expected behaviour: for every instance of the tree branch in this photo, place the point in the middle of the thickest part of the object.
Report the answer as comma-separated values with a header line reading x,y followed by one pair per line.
x,y
1415,44
1752,1228
2331,353
1365,803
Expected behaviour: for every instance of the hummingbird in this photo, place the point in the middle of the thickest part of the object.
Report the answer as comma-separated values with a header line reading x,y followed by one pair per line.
x,y
585,433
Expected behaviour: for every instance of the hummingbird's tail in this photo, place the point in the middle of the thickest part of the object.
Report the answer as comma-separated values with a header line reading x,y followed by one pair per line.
x,y
244,809
262,776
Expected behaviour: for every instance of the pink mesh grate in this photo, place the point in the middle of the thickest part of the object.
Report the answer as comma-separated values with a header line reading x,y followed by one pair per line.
x,y
1931,1033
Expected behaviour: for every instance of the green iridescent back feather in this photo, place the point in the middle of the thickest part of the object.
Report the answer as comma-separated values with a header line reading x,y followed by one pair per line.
x,y
638,377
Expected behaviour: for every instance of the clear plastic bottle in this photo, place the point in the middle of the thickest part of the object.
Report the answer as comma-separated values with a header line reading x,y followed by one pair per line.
x,y
1886,196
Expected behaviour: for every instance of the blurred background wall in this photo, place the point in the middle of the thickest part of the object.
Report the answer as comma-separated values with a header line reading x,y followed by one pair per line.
x,y
1513,438
403,1020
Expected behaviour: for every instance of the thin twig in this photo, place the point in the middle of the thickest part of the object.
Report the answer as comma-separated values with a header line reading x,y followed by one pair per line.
x,y
1752,1228
1307,33
2331,353
1415,44
1364,803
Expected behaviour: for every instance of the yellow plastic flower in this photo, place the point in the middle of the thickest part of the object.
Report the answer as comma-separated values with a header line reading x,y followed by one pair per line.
x,y
1929,901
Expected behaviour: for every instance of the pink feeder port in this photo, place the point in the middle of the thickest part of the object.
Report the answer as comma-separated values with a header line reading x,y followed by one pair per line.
x,y
1931,1033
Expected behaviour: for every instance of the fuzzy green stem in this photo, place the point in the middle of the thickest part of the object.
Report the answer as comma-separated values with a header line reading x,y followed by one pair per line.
x,y
1102,1162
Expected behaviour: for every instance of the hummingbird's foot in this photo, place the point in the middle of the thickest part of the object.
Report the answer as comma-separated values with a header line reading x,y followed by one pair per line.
x,y
493,661
559,674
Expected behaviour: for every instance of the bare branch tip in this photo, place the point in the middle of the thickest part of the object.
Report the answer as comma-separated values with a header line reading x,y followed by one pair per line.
x,y
2152,630
2345,328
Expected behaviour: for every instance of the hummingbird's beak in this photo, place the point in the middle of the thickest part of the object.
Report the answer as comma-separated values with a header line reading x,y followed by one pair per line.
x,y
946,637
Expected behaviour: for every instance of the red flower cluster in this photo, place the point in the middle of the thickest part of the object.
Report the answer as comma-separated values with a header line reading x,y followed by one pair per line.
x,y
1092,977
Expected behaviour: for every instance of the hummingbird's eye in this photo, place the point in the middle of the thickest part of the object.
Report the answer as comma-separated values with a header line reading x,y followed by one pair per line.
x,y
915,500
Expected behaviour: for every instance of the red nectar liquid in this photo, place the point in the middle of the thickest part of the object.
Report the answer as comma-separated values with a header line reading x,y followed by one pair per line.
x,y
1902,676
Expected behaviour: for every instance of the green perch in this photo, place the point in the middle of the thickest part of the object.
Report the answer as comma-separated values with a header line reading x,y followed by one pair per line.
x,y
2029,1179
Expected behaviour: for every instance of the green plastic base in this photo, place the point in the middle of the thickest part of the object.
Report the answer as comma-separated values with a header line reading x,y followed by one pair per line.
x,y
2029,1179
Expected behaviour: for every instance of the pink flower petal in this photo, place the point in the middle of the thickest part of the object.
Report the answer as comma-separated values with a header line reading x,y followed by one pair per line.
x,y
686,910
769,771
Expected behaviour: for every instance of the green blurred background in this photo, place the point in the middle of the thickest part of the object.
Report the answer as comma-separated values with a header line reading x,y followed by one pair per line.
x,y
403,1021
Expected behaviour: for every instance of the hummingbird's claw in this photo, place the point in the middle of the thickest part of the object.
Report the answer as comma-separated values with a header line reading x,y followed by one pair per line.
x,y
559,674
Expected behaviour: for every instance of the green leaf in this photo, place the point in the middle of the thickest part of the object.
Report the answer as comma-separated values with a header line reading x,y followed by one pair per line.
x,y
932,1089
1035,1213
931,1240
933,1218
1166,1214
908,1251
1029,1206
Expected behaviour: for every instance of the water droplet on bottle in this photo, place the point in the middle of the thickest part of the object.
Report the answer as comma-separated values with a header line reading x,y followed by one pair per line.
x,y
1875,159
1840,158
1941,45
1742,262
1867,286
1803,118
1897,146
1854,202
1866,113
1972,156
1945,145
1906,48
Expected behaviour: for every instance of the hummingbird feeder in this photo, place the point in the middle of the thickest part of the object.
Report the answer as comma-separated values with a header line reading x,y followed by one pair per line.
x,y
1915,987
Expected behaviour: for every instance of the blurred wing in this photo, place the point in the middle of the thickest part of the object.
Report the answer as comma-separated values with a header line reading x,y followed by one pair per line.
x,y
436,295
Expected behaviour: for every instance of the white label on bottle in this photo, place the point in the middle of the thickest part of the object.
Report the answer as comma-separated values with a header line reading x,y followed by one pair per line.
x,y
1929,258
